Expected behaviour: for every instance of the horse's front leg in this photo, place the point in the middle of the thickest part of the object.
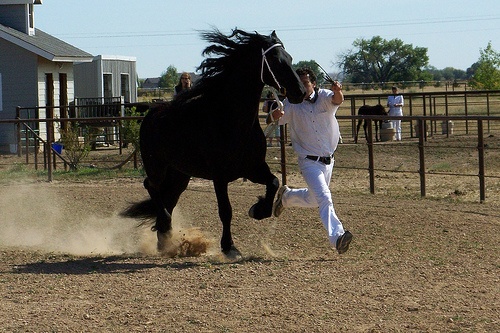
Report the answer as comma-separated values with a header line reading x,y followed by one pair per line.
x,y
225,215
264,206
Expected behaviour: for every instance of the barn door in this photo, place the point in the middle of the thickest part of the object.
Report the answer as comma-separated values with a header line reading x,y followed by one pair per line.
x,y
63,98
107,85
49,103
49,94
125,87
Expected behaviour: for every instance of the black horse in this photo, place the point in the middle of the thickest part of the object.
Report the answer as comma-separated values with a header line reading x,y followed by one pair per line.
x,y
212,131
368,110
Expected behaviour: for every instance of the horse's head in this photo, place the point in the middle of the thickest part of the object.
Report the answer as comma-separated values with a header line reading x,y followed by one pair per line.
x,y
381,110
277,70
240,47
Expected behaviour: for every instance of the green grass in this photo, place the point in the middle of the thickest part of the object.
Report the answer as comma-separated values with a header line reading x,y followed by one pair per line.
x,y
17,171
21,171
96,173
441,167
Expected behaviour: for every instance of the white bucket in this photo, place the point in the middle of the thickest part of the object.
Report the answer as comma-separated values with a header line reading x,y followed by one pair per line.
x,y
387,134
447,127
387,124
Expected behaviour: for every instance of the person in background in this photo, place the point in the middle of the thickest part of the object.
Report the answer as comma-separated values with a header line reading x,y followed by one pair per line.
x,y
184,83
395,104
315,134
268,106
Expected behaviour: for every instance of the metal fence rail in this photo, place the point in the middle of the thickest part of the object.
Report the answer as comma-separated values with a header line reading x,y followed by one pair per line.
x,y
445,103
49,154
421,127
423,147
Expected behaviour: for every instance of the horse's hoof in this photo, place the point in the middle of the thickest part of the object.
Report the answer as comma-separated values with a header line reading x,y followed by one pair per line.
x,y
233,253
164,240
251,212
256,212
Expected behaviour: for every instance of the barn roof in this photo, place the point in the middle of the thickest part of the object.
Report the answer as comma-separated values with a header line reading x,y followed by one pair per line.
x,y
151,82
45,45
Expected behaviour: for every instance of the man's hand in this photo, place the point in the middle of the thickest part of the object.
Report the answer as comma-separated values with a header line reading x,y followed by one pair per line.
x,y
338,97
277,113
336,86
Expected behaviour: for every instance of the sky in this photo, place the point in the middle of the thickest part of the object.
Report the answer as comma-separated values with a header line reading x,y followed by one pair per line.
x,y
160,33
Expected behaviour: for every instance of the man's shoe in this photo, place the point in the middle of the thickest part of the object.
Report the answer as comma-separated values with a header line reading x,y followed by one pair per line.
x,y
278,204
343,242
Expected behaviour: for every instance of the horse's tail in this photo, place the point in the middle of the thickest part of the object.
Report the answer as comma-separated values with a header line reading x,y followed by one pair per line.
x,y
145,210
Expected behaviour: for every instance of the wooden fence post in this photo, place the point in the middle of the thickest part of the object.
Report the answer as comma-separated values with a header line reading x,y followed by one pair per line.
x,y
421,143
18,129
480,150
283,154
371,168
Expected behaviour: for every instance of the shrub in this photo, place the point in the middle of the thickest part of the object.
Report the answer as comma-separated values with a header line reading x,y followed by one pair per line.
x,y
131,128
75,149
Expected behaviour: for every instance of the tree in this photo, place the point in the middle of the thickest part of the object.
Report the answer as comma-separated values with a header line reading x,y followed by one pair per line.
x,y
436,74
445,74
169,78
487,72
471,70
75,150
313,65
379,60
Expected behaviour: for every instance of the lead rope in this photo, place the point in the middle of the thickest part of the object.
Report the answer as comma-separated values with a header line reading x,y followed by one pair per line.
x,y
271,127
276,98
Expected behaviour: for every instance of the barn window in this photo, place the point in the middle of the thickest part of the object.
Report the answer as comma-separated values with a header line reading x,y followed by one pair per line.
x,y
108,85
125,87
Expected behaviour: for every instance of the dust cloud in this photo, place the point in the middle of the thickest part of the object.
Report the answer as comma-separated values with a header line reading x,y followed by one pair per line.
x,y
34,216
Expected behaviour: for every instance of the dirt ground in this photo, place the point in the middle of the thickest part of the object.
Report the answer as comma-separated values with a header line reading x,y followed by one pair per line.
x,y
68,263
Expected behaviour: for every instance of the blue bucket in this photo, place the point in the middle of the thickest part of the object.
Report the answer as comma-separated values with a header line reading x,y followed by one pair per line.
x,y
57,147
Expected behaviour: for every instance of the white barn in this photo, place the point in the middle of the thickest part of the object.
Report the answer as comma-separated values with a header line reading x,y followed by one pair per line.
x,y
36,69
39,70
107,76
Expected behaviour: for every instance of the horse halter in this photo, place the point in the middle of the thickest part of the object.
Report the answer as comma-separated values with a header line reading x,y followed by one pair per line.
x,y
264,60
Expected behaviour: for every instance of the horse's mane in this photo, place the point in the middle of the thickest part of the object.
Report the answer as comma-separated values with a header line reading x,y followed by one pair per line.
x,y
225,52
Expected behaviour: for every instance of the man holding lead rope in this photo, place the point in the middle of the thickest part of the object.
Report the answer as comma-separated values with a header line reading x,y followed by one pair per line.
x,y
314,132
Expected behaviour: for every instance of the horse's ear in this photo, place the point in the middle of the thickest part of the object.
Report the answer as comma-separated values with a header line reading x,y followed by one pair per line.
x,y
275,36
